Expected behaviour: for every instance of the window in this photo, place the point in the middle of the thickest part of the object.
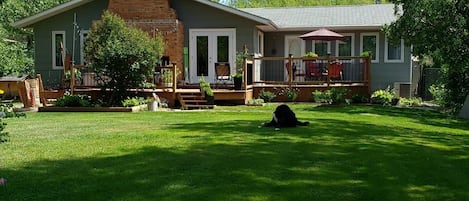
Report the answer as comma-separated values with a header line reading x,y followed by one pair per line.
x,y
346,46
260,42
58,49
83,37
369,42
321,47
394,53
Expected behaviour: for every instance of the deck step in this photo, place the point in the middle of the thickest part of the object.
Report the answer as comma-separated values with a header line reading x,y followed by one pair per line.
x,y
191,100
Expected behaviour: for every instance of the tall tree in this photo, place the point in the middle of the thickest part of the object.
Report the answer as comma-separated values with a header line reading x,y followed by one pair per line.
x,y
16,45
441,28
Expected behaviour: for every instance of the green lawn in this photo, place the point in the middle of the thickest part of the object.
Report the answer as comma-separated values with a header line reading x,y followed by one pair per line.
x,y
346,153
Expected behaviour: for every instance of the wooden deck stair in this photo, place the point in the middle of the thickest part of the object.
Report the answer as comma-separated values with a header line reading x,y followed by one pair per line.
x,y
193,100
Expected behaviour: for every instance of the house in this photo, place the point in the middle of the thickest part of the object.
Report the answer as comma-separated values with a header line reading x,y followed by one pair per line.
x,y
200,33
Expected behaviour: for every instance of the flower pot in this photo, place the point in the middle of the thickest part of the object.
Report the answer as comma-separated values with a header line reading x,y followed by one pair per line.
x,y
238,82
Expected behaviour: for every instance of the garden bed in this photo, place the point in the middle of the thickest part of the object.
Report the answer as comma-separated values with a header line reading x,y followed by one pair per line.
x,y
93,109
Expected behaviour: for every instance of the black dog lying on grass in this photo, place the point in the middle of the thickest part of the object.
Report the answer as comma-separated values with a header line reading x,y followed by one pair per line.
x,y
283,117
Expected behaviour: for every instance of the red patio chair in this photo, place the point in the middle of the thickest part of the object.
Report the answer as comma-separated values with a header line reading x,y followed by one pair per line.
x,y
335,70
313,72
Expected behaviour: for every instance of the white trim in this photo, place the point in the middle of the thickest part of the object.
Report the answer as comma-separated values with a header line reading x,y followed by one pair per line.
x,y
352,51
376,34
54,33
386,59
49,13
82,45
260,42
211,33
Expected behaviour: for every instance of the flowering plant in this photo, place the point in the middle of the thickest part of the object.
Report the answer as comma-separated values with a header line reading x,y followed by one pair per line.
x,y
289,92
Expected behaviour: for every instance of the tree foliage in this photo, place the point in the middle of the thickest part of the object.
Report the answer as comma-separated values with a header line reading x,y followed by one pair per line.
x,y
16,45
122,56
439,29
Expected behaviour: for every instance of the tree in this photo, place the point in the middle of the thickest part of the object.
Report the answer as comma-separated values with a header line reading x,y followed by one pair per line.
x,y
439,29
122,57
16,45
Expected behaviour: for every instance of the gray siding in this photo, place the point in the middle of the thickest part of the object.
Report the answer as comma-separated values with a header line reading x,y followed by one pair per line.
x,y
86,14
198,16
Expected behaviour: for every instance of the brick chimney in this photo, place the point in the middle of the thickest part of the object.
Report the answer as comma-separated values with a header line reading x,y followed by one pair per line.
x,y
154,16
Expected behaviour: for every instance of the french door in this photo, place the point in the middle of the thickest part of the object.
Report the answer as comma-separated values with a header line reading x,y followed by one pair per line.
x,y
208,47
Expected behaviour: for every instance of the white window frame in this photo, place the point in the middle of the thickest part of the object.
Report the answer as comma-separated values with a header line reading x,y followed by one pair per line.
x,y
376,34
260,43
82,45
386,59
54,33
313,46
352,53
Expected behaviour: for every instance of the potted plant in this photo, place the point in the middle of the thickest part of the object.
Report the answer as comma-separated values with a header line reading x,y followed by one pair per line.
x,y
167,78
206,91
311,54
238,76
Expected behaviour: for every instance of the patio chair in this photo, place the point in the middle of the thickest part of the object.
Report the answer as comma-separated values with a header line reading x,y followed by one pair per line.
x,y
335,70
222,72
313,72
298,73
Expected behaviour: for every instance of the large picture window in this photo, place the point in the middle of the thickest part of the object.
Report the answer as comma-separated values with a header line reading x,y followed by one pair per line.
x,y
345,47
394,53
58,49
370,42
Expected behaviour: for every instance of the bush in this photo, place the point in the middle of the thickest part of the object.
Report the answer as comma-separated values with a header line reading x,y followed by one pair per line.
x,y
438,93
267,96
290,93
130,102
360,98
73,101
122,57
383,97
257,101
322,97
338,95
410,102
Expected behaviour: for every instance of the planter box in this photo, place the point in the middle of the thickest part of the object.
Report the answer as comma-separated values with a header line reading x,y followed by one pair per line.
x,y
93,109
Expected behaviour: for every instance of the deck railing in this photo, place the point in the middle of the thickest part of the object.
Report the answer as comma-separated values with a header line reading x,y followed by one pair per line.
x,y
326,70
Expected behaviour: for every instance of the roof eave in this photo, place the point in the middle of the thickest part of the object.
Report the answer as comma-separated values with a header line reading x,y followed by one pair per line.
x,y
241,13
49,13
333,28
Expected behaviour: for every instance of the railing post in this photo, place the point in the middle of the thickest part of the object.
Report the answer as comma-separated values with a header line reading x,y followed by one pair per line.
x,y
328,65
72,78
290,70
368,72
245,72
174,77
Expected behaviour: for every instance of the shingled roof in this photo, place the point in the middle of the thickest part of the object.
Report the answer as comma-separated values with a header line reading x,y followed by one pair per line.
x,y
332,17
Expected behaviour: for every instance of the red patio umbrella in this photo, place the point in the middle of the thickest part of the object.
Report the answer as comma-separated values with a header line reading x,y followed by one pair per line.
x,y
322,34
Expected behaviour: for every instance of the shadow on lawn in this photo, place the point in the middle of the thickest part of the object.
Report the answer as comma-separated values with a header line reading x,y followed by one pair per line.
x,y
428,117
328,160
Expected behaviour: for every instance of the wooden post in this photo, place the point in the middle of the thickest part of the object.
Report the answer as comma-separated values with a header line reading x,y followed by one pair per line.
x,y
328,65
41,91
245,73
72,78
174,77
290,70
368,73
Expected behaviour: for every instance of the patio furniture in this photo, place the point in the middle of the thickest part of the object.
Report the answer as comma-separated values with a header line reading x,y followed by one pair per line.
x,y
313,71
335,70
222,72
298,73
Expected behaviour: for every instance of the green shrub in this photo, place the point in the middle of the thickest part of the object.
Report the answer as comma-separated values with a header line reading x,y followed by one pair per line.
x,y
130,102
360,98
3,135
121,56
438,93
267,96
255,101
338,95
410,102
73,101
322,97
205,87
383,97
289,92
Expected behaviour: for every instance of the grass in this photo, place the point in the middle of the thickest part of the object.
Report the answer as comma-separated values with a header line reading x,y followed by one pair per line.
x,y
346,153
